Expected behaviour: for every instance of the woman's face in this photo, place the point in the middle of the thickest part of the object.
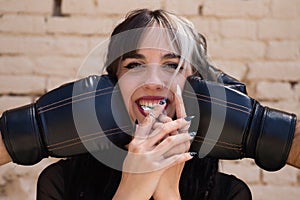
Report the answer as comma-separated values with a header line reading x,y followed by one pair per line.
x,y
146,77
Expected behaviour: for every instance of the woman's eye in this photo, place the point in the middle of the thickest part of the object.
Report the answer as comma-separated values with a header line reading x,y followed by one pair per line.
x,y
173,66
134,65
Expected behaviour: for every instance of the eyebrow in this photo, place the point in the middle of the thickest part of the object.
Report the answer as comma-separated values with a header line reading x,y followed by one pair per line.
x,y
171,55
141,56
133,55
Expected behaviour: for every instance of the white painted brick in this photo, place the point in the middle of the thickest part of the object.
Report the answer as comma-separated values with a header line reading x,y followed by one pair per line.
x,y
49,45
91,66
101,7
57,66
290,105
285,9
274,91
74,46
277,71
274,29
283,50
234,8
98,44
238,28
286,176
19,182
236,49
93,63
24,24
237,70
86,7
115,7
16,65
9,102
22,84
26,6
263,192
209,27
245,169
297,91
54,82
187,7
80,25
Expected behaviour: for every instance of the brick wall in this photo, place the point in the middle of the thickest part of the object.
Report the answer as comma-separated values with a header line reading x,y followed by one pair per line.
x,y
43,43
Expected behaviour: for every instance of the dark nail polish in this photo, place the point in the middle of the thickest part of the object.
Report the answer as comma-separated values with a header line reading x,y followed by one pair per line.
x,y
192,134
193,153
189,118
136,121
162,102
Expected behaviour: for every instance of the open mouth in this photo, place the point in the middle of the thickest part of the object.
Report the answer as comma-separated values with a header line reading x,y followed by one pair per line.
x,y
147,103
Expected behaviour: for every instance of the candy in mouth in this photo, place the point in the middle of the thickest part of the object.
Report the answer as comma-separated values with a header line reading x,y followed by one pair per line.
x,y
144,107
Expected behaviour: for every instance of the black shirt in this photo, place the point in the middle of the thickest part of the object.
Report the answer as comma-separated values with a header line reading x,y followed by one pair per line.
x,y
62,181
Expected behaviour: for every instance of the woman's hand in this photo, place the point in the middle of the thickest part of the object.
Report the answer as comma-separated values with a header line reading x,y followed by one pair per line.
x,y
168,186
150,153
294,155
4,156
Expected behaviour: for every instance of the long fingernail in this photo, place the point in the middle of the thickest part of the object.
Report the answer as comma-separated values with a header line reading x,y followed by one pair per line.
x,y
192,134
178,90
193,153
134,126
162,102
189,118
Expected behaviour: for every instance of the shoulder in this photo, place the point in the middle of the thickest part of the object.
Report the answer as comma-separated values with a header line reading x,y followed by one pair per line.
x,y
230,187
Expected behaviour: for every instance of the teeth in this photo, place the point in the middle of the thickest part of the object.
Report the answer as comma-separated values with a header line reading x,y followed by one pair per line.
x,y
148,105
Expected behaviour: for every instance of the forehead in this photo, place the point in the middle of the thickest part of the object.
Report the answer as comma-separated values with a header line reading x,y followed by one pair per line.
x,y
156,53
158,40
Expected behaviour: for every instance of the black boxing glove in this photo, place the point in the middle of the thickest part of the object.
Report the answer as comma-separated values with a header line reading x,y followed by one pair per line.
x,y
67,120
232,125
216,75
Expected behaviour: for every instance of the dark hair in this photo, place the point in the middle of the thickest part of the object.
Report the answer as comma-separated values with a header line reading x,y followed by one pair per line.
x,y
198,176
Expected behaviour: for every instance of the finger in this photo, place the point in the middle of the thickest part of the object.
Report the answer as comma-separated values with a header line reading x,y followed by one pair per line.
x,y
164,118
165,130
180,110
160,120
172,142
157,125
174,133
177,159
143,129
178,149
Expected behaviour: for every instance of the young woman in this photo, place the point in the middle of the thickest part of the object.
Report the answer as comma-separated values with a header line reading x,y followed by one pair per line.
x,y
151,53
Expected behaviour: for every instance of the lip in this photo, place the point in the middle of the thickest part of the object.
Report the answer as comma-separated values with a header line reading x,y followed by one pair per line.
x,y
151,98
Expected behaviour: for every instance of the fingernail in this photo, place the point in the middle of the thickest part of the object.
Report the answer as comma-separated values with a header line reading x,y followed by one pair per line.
x,y
192,134
136,121
178,90
162,102
189,118
193,153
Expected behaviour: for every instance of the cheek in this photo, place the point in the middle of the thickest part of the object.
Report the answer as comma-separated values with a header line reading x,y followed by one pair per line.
x,y
126,90
180,81
127,86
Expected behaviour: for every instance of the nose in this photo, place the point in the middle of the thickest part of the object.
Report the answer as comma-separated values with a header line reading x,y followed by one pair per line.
x,y
153,81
